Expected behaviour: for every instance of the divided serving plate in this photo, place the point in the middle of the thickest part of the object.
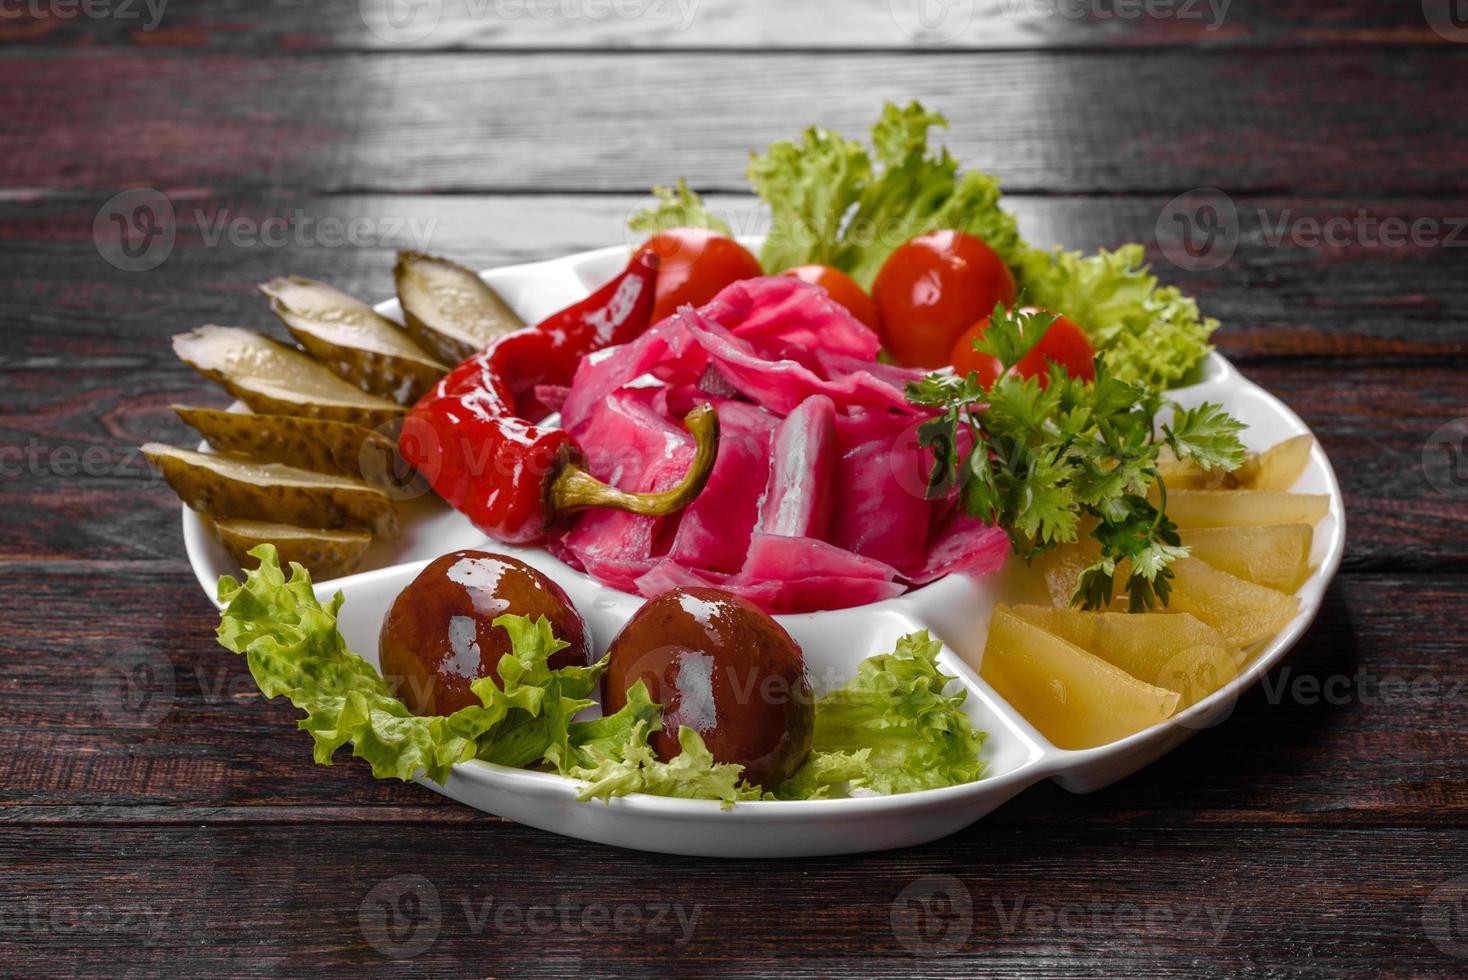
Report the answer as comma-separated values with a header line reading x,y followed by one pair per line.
x,y
956,610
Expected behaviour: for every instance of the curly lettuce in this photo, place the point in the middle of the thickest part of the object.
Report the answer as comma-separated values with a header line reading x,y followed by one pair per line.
x,y
891,729
833,201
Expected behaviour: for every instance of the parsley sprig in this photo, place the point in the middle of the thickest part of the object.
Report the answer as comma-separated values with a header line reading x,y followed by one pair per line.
x,y
1041,461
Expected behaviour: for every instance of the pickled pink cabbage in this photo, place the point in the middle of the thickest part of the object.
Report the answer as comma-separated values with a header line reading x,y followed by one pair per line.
x,y
817,498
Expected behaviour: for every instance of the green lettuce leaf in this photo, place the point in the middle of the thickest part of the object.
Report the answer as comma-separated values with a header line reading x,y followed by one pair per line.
x,y
830,205
809,187
678,207
611,755
891,728
1148,333
294,650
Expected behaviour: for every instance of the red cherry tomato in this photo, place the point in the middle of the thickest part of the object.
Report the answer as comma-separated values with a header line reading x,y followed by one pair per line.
x,y
1064,343
695,264
933,288
842,289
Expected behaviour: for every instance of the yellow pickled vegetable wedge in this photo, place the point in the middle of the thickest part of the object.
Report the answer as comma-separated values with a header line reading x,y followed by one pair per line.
x,y
326,554
1168,650
1243,612
275,379
1278,467
1075,699
1276,556
354,341
1244,508
233,486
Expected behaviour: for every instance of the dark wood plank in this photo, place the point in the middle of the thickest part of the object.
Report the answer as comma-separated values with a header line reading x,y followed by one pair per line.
x,y
729,24
1031,901
133,710
1070,122
1278,286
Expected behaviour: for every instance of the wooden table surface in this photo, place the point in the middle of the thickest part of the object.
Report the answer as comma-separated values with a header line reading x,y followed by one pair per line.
x,y
158,814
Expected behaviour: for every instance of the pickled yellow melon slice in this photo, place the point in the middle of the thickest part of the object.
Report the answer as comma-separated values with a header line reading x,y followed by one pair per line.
x,y
1243,612
1075,699
1177,652
1244,508
1278,467
1276,556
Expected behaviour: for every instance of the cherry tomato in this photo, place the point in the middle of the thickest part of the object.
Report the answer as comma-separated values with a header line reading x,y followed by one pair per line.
x,y
842,289
695,264
933,288
1064,343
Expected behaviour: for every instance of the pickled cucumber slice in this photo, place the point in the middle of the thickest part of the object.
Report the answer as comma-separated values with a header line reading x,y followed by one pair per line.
x,y
450,311
319,445
275,379
233,486
354,341
326,554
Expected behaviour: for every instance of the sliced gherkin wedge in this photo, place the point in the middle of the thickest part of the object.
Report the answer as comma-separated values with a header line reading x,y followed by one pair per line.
x,y
326,554
233,486
354,341
319,445
275,379
450,311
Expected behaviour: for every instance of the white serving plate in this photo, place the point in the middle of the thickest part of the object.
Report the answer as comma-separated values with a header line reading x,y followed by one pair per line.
x,y
955,609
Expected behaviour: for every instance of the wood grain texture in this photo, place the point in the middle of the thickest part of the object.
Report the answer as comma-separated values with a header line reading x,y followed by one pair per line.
x,y
1031,901
643,25
157,811
547,122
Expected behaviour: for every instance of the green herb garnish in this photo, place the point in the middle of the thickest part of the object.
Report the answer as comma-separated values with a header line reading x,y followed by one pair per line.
x,y
1038,459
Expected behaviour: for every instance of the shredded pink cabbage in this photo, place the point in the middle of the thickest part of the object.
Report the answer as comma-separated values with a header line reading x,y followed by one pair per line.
x,y
817,498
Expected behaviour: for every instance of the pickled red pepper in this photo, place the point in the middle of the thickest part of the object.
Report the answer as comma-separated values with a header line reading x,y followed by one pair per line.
x,y
475,439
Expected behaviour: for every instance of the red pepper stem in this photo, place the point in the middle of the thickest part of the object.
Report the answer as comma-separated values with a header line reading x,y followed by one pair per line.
x,y
575,489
